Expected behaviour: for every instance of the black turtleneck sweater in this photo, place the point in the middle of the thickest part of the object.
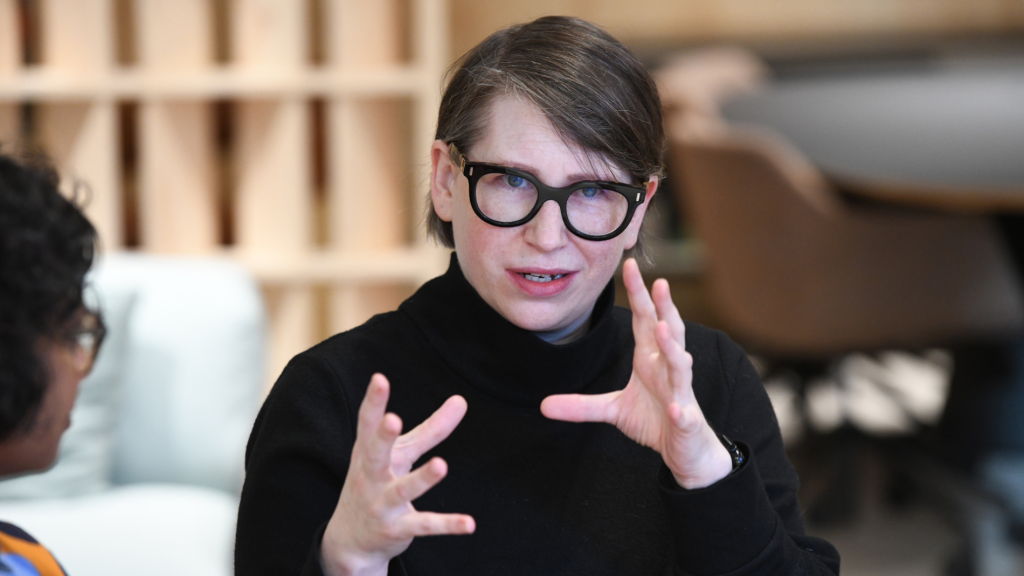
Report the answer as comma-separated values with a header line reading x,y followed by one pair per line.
x,y
548,497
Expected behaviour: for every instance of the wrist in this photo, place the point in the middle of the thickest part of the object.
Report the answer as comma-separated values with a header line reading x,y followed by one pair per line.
x,y
717,465
335,561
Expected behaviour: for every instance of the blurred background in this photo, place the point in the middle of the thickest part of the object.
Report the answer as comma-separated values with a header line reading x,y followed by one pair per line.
x,y
845,182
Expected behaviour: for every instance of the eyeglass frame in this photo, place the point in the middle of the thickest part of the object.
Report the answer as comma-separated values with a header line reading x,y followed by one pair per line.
x,y
545,193
98,332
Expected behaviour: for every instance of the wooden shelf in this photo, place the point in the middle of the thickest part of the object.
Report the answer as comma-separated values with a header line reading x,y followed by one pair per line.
x,y
330,267
42,84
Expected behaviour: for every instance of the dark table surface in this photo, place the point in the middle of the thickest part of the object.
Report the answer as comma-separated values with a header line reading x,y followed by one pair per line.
x,y
948,136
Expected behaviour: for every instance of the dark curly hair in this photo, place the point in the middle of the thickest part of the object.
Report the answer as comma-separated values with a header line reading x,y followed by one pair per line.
x,y
46,247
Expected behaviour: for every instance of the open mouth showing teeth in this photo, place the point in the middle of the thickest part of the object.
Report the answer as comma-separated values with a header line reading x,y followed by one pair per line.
x,y
541,277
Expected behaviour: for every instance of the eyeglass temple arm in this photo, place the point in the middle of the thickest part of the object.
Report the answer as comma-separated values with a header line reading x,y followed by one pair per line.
x,y
456,156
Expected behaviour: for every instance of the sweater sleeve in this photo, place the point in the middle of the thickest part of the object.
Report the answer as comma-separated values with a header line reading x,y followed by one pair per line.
x,y
296,461
749,522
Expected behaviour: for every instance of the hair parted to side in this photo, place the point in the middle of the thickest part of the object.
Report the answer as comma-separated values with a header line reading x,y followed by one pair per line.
x,y
592,89
46,247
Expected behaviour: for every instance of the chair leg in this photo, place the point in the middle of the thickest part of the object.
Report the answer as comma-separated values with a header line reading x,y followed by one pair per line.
x,y
840,502
980,519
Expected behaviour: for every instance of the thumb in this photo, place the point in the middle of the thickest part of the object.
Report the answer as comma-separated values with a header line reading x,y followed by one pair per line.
x,y
581,408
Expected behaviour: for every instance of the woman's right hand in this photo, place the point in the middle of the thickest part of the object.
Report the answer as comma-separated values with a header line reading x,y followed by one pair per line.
x,y
374,520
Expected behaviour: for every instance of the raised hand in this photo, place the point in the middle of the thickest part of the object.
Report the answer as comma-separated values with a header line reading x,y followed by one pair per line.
x,y
375,520
657,407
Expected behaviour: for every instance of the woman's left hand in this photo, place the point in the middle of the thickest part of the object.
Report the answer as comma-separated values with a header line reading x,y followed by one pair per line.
x,y
657,408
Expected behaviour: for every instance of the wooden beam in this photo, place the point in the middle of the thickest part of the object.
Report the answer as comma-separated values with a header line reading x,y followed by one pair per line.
x,y
274,166
363,34
290,313
78,35
178,205
370,174
82,137
10,63
430,55
269,35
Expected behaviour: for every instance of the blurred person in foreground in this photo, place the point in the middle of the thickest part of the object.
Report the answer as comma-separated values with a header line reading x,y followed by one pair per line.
x,y
48,338
573,437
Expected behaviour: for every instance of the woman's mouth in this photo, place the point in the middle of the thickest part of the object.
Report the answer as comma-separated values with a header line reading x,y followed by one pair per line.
x,y
541,284
540,277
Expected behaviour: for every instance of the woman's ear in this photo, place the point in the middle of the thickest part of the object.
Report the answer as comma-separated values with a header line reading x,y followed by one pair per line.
x,y
633,231
442,180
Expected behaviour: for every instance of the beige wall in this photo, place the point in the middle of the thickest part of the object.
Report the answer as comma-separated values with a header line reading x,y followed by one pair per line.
x,y
676,21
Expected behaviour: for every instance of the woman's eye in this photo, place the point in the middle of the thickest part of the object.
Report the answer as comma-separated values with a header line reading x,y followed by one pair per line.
x,y
516,181
590,192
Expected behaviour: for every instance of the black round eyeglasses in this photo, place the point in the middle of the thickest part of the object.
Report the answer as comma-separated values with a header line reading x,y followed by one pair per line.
x,y
507,197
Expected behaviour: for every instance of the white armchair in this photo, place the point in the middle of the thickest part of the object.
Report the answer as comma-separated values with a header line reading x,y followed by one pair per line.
x,y
148,476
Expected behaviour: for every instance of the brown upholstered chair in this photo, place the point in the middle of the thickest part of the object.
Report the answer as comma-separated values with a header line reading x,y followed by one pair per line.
x,y
796,270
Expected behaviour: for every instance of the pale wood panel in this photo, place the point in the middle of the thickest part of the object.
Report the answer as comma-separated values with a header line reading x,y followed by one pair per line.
x,y
83,141
10,59
352,306
269,34
82,137
363,34
370,172
290,314
368,196
178,208
177,205
430,38
646,21
174,35
274,197
78,35
10,39
10,127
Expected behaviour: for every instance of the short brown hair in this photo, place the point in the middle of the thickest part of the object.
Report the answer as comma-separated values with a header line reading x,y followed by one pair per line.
x,y
592,89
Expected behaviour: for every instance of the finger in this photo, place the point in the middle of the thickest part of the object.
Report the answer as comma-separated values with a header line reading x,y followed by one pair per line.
x,y
679,361
416,483
688,420
371,410
644,314
377,448
582,407
667,310
432,431
433,524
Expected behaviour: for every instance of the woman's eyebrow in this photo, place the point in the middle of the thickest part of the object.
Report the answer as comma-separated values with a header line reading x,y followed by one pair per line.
x,y
572,178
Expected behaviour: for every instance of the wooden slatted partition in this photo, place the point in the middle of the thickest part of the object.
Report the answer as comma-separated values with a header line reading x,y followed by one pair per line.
x,y
81,133
10,62
178,206
327,259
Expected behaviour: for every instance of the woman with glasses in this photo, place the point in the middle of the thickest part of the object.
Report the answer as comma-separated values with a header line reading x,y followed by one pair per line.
x,y
545,430
48,339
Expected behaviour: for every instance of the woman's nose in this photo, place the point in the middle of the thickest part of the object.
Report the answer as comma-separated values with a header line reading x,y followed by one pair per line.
x,y
547,231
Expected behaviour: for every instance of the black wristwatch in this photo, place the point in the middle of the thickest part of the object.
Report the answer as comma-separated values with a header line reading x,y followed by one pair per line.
x,y
734,452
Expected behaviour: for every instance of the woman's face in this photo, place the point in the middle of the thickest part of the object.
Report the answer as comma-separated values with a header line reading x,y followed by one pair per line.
x,y
36,448
540,276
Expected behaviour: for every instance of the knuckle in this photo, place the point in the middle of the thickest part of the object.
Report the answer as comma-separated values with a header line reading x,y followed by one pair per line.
x,y
402,492
392,531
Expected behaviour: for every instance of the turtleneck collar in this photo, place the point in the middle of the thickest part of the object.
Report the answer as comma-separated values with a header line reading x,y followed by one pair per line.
x,y
503,360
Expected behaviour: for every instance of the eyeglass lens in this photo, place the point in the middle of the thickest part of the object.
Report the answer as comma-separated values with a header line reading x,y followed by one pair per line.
x,y
87,340
508,198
